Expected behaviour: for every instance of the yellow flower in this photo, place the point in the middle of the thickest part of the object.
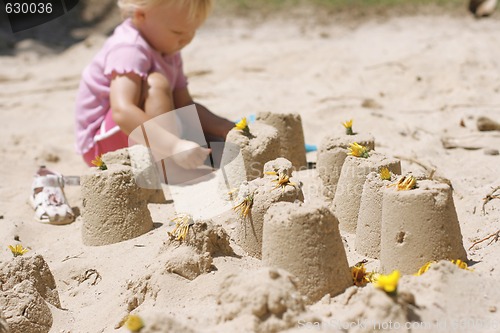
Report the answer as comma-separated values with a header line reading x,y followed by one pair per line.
x,y
282,179
98,162
18,250
360,276
385,174
358,150
244,206
242,125
134,323
459,263
406,183
388,283
348,127
182,224
424,268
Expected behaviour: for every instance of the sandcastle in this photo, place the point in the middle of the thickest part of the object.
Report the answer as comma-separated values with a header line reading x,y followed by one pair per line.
x,y
331,155
370,215
193,256
27,286
258,195
4,327
347,198
291,136
418,226
305,240
145,170
114,207
268,295
246,152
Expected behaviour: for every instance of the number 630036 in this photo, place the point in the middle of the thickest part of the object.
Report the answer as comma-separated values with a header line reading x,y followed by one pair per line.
x,y
28,8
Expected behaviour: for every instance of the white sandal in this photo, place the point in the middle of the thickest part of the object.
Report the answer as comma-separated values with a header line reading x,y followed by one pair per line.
x,y
48,197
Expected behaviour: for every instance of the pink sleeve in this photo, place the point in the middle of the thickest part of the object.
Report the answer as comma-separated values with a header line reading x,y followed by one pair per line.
x,y
181,81
127,59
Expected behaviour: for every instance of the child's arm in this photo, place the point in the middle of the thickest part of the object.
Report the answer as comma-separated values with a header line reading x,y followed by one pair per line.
x,y
125,96
211,123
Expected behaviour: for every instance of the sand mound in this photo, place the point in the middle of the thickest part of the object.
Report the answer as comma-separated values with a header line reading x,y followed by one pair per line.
x,y
194,255
441,293
4,327
274,303
26,283
25,310
32,269
139,291
370,309
187,262
204,236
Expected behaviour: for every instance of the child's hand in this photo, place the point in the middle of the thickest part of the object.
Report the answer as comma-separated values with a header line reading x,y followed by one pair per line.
x,y
189,155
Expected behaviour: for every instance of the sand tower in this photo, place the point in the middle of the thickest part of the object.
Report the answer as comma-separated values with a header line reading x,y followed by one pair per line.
x,y
246,152
418,226
350,185
258,195
145,170
291,136
305,240
370,215
331,155
114,206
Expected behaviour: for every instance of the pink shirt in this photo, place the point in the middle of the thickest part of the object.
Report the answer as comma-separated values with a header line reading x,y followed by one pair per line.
x,y
124,52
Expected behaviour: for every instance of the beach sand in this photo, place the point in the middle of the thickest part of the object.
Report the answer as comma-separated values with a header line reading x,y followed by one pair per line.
x,y
413,82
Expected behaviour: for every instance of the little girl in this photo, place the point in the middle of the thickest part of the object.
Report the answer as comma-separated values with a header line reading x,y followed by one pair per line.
x,y
137,76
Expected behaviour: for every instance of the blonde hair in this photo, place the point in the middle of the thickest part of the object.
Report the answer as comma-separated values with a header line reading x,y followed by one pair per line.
x,y
196,8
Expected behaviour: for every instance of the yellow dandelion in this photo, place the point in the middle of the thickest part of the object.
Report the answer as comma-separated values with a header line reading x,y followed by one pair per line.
x,y
360,276
388,283
406,183
357,150
242,125
348,127
182,224
18,250
459,263
98,162
424,268
243,208
385,174
283,180
134,323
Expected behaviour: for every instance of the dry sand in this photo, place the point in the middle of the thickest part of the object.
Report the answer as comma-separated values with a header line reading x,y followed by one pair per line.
x,y
409,81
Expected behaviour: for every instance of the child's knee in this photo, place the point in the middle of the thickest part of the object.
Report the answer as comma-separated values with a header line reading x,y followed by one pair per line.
x,y
158,81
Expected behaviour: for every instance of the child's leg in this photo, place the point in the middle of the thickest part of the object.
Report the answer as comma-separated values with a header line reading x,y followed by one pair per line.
x,y
156,100
157,95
